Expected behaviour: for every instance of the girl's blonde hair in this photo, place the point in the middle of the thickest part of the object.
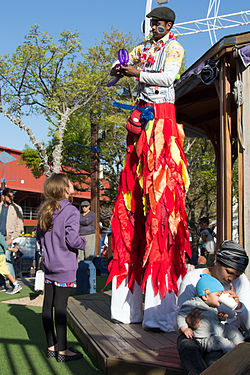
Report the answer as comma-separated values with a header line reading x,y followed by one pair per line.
x,y
54,190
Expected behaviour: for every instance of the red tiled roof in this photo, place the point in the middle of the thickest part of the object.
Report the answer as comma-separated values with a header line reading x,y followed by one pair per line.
x,y
15,172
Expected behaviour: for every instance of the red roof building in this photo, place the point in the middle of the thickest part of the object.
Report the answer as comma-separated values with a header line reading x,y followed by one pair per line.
x,y
28,189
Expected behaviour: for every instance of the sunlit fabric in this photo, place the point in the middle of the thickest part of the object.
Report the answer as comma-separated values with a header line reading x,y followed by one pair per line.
x,y
149,226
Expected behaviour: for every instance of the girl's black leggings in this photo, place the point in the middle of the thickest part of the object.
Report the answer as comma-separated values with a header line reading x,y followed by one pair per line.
x,y
54,310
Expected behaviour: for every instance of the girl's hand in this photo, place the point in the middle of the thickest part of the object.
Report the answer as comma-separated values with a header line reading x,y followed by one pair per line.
x,y
234,295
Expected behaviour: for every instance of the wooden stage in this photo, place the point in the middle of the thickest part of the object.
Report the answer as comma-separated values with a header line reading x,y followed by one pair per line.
x,y
120,348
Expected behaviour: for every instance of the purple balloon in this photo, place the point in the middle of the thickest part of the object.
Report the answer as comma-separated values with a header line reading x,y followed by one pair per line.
x,y
113,82
123,58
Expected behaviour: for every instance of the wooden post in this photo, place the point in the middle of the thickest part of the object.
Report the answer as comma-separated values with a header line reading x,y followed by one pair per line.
x,y
95,186
228,153
246,157
220,171
240,164
224,206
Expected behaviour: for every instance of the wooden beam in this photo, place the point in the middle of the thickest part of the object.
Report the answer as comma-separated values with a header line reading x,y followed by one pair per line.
x,y
246,156
95,170
240,165
201,95
235,362
228,152
220,163
205,118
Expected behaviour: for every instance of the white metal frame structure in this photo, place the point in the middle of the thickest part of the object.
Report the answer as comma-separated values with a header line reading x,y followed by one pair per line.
x,y
213,4
210,24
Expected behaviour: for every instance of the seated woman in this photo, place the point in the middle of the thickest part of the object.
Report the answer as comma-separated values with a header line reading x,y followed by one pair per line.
x,y
231,262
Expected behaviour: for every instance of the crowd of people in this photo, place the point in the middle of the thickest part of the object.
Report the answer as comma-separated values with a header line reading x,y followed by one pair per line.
x,y
11,225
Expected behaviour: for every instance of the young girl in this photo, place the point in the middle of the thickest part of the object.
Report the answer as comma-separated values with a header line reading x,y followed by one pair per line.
x,y
58,232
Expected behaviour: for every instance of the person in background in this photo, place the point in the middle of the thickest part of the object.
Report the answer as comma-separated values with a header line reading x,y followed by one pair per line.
x,y
4,270
208,246
87,230
86,273
58,234
202,262
11,223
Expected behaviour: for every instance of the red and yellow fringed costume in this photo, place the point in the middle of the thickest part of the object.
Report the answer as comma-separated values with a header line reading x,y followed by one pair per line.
x,y
149,226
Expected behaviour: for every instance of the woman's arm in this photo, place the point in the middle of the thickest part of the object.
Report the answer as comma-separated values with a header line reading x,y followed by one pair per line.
x,y
241,293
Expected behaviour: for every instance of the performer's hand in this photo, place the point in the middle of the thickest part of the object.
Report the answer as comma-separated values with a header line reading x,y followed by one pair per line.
x,y
130,71
194,319
117,71
188,332
222,316
234,295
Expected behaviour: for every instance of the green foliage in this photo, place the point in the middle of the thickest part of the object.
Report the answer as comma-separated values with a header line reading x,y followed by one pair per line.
x,y
40,76
56,80
107,118
201,196
31,158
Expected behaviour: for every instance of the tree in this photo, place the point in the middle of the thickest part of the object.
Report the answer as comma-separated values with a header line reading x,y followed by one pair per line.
x,y
47,79
110,120
60,83
202,194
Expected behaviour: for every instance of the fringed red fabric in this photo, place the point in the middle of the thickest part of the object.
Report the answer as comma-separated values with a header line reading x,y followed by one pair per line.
x,y
149,228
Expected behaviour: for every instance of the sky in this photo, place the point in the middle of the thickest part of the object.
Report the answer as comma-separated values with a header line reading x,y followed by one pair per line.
x,y
91,19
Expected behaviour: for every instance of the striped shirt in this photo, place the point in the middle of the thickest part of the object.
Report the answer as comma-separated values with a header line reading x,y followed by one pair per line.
x,y
156,79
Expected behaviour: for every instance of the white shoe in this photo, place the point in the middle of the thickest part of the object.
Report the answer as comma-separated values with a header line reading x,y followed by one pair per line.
x,y
15,290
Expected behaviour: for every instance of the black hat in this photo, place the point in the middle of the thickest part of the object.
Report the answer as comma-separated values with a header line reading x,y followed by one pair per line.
x,y
232,255
162,13
85,203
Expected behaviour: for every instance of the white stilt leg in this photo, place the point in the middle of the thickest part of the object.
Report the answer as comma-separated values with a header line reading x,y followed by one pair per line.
x,y
126,307
159,312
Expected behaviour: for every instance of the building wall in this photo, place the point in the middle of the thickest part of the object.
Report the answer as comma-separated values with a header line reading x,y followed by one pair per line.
x,y
29,194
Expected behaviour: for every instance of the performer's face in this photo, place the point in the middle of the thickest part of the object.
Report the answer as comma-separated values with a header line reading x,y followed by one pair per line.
x,y
159,28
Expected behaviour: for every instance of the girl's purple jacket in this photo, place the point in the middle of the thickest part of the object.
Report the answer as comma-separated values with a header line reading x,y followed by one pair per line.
x,y
60,244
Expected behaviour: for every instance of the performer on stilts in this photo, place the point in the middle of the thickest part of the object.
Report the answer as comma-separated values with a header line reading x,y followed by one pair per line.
x,y
149,227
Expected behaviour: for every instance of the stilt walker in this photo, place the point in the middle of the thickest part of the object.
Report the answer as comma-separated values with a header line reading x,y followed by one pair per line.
x,y
149,227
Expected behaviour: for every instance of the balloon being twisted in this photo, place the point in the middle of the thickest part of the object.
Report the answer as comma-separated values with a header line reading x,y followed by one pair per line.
x,y
123,58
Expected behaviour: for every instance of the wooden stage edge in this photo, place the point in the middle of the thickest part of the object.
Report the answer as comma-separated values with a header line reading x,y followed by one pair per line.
x,y
118,348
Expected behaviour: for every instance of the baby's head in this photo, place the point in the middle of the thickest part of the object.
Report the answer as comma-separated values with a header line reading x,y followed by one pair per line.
x,y
209,289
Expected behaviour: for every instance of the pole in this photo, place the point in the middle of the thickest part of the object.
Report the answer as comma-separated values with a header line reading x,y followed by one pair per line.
x,y
95,186
147,20
3,180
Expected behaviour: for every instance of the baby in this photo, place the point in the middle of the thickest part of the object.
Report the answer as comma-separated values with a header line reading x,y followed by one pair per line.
x,y
212,334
